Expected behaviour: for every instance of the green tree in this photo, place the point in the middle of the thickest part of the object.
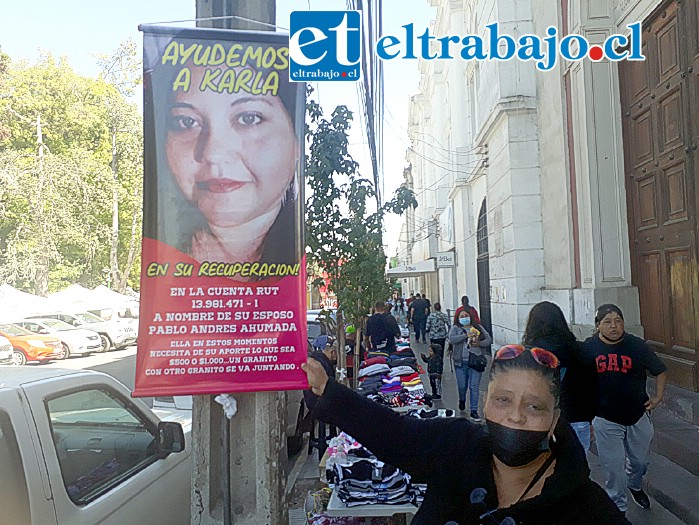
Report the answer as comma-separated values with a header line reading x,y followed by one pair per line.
x,y
344,236
56,150
123,70
53,218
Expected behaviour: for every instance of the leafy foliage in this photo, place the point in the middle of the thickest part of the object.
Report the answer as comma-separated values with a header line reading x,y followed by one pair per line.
x,y
344,235
59,171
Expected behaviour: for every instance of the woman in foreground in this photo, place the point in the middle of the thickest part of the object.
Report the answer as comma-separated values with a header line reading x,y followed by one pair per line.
x,y
522,464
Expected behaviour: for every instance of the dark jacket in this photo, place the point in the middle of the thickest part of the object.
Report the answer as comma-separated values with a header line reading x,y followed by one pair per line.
x,y
453,456
579,380
435,365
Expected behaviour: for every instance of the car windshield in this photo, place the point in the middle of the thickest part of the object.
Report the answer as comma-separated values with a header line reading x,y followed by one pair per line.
x,y
13,329
313,331
90,318
57,324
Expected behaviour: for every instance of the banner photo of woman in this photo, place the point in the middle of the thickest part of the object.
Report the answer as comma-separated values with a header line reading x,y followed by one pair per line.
x,y
223,278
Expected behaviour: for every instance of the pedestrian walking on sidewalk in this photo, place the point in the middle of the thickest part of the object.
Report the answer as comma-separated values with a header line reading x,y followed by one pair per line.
x,y
475,319
623,428
435,368
467,344
419,312
381,330
400,313
438,327
522,467
547,328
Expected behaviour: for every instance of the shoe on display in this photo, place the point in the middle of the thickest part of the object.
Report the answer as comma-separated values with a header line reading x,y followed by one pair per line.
x,y
475,417
641,498
462,405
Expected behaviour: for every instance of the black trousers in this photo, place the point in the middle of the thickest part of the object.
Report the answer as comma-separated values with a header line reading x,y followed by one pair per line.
x,y
436,384
420,323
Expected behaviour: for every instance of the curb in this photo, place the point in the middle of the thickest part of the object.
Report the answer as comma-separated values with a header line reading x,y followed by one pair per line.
x,y
674,488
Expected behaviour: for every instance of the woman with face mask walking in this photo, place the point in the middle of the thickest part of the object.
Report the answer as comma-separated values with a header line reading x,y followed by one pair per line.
x,y
467,342
521,465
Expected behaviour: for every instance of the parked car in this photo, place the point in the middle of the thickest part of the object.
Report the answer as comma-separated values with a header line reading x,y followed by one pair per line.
x,y
74,341
320,322
5,351
114,334
28,346
75,448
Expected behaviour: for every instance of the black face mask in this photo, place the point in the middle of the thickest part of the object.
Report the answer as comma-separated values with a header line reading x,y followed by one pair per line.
x,y
515,447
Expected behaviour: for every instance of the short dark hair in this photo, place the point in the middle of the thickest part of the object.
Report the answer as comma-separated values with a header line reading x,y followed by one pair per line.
x,y
525,361
437,306
606,309
380,305
464,300
435,348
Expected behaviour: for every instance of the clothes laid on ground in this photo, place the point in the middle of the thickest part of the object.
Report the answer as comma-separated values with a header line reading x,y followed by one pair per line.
x,y
361,479
376,353
380,360
400,371
424,413
460,461
373,370
403,361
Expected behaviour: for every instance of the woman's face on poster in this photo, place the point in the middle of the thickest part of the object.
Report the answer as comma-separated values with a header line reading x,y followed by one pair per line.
x,y
233,155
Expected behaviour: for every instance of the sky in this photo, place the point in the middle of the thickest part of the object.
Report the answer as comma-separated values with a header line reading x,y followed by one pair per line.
x,y
83,29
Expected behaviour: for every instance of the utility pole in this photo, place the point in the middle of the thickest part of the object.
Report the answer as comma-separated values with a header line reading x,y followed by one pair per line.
x,y
113,262
239,473
41,276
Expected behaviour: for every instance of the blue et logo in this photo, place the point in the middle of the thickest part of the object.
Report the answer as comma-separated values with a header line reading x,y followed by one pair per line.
x,y
325,45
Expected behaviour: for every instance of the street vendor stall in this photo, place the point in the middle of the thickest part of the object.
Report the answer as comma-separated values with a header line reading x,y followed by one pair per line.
x,y
363,486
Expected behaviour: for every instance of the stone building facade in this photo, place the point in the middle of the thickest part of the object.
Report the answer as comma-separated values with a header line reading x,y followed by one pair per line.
x,y
576,185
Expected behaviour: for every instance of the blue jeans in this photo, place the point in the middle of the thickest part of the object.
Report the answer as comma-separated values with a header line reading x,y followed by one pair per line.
x,y
468,379
582,430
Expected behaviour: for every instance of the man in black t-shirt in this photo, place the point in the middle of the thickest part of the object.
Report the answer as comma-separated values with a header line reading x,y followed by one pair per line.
x,y
623,428
419,316
381,330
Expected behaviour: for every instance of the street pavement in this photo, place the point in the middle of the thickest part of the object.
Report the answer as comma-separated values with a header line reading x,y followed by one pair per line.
x,y
656,515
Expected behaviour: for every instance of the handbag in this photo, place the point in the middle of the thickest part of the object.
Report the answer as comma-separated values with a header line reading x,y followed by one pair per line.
x,y
477,362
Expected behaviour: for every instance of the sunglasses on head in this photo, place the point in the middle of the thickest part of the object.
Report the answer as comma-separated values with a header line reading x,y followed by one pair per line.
x,y
541,356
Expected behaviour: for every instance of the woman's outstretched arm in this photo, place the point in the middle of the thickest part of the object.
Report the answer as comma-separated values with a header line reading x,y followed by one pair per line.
x,y
417,446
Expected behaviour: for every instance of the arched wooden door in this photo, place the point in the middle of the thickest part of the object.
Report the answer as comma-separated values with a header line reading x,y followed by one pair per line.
x,y
483,268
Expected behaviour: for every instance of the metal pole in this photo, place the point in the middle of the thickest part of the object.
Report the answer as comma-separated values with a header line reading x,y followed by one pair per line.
x,y
226,469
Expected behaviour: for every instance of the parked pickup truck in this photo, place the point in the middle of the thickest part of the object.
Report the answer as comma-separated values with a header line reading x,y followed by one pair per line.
x,y
76,449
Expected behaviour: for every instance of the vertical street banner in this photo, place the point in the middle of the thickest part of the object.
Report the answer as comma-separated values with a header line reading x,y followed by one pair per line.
x,y
223,278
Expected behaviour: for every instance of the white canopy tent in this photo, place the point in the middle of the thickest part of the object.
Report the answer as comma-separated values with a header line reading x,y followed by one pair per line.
x,y
16,304
81,298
